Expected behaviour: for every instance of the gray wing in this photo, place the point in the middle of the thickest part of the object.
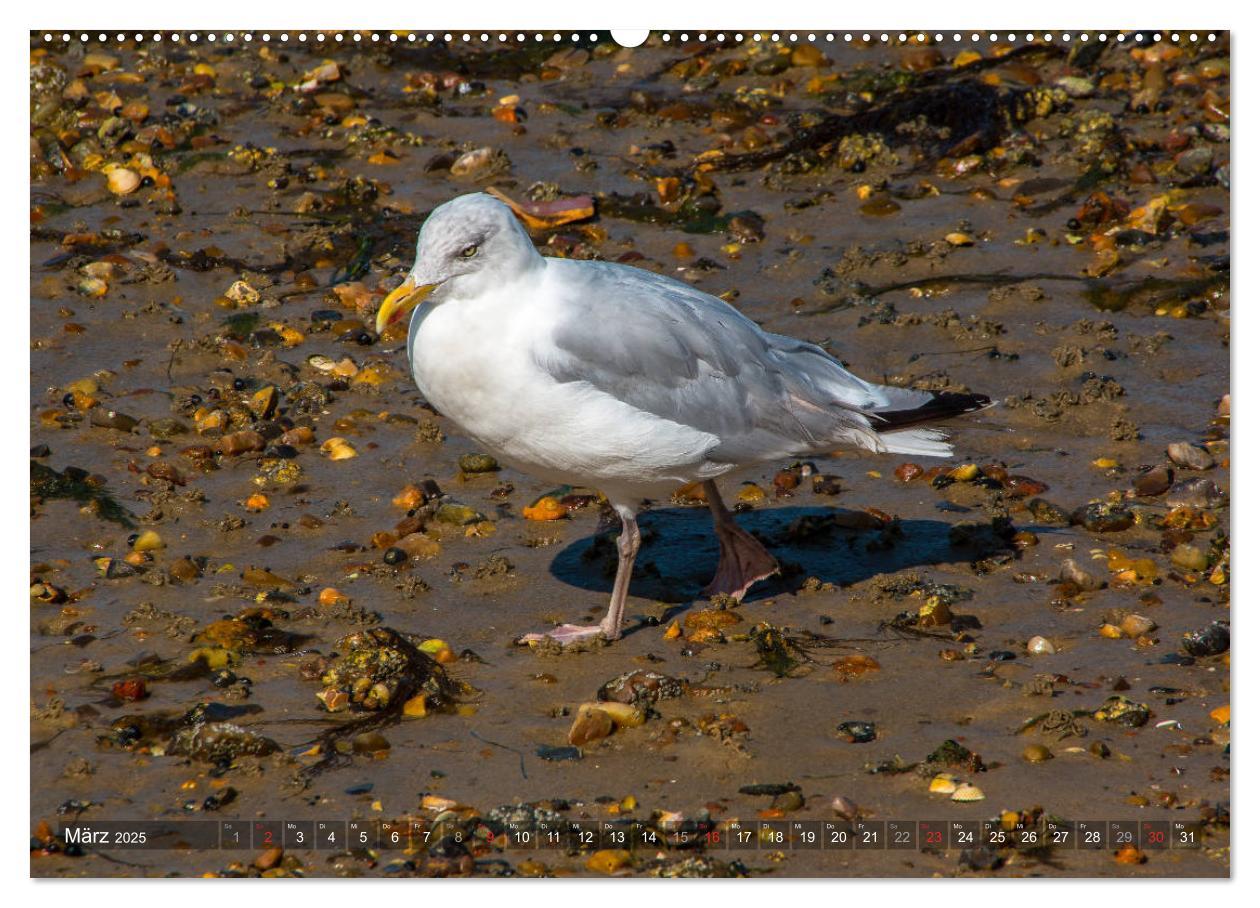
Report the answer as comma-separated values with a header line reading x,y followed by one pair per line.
x,y
683,355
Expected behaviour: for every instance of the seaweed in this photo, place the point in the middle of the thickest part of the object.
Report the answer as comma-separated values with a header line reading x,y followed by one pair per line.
x,y
78,485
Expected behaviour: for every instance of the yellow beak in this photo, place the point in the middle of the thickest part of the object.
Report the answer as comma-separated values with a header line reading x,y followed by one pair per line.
x,y
401,300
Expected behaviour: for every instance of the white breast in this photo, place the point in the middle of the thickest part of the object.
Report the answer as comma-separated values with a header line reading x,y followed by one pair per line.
x,y
474,361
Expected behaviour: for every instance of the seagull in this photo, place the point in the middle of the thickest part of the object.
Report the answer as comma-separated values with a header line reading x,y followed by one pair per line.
x,y
611,377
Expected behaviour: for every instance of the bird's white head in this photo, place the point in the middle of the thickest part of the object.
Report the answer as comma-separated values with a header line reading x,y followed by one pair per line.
x,y
467,244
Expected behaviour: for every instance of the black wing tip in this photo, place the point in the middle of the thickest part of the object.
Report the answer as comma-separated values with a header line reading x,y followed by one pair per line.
x,y
943,405
961,403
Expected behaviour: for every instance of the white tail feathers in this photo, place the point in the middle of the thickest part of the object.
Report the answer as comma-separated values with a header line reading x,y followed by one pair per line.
x,y
924,442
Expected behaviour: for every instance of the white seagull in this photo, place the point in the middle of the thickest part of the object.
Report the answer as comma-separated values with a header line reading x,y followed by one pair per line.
x,y
611,377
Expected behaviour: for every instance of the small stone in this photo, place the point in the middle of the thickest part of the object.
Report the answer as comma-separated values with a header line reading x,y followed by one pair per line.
x,y
1071,572
1199,492
1135,625
592,724
1189,557
1154,481
1192,457
1037,753
856,732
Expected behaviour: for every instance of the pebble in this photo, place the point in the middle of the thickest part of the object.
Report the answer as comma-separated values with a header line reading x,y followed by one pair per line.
x,y
1189,557
1192,457
1071,572
856,732
592,724
1037,753
1199,492
1075,86
1211,640
1135,625
1153,482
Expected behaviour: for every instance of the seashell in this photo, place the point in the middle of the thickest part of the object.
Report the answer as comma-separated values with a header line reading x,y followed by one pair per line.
x,y
242,294
959,239
478,162
944,783
147,541
337,448
751,492
330,596
122,181
966,793
1040,646
608,861
546,508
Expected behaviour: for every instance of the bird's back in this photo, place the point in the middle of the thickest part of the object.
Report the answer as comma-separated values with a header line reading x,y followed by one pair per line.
x,y
684,355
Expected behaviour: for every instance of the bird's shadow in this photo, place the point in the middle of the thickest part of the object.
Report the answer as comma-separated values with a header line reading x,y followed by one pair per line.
x,y
679,552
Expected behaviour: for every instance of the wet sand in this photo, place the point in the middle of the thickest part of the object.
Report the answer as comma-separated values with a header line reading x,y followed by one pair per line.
x,y
1105,342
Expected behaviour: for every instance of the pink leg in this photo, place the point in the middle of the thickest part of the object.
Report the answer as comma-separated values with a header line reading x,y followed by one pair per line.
x,y
742,560
610,627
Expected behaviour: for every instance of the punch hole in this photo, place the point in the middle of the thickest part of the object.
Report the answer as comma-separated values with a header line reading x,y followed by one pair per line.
x,y
629,37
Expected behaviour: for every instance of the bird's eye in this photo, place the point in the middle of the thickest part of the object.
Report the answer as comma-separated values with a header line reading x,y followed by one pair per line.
x,y
468,251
